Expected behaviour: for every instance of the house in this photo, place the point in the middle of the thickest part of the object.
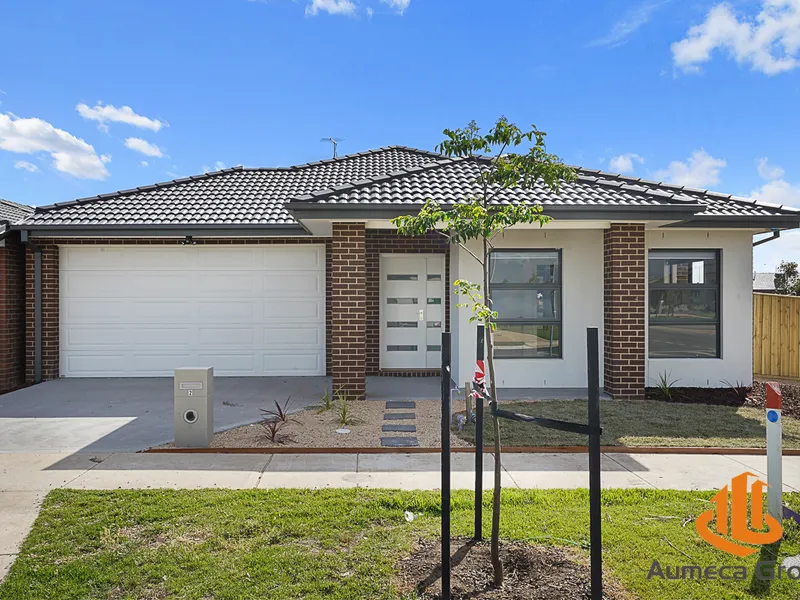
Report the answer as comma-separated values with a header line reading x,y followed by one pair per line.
x,y
298,271
12,296
764,283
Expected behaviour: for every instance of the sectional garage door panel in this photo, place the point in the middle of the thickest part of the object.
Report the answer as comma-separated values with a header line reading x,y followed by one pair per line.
x,y
129,311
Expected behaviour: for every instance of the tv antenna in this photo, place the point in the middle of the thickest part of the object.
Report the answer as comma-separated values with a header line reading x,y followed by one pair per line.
x,y
334,141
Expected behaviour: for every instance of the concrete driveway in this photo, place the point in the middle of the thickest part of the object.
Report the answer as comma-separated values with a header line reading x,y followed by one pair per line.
x,y
127,415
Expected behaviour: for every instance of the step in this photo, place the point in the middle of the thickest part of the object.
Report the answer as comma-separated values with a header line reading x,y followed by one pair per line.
x,y
400,428
399,416
399,442
401,404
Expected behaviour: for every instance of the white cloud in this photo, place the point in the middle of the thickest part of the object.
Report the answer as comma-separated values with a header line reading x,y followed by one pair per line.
x,y
632,20
27,166
770,43
700,171
218,166
370,12
143,146
399,5
624,162
778,192
768,172
144,163
333,7
108,113
70,154
767,257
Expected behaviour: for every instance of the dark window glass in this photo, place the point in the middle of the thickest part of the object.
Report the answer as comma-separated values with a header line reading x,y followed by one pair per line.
x,y
525,288
527,341
683,304
402,277
678,341
401,348
401,324
402,300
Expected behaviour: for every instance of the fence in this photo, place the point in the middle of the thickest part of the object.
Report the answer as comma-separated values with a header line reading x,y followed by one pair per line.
x,y
776,335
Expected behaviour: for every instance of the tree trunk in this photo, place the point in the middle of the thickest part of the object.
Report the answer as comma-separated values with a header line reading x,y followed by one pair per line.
x,y
497,564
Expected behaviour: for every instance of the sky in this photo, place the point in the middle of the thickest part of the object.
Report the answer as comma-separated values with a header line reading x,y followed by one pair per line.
x,y
100,95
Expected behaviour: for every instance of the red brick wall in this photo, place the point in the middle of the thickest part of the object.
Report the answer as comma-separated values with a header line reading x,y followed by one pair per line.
x,y
348,305
12,314
387,241
624,292
50,305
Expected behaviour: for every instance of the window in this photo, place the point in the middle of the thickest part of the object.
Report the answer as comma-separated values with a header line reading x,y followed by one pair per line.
x,y
683,304
525,287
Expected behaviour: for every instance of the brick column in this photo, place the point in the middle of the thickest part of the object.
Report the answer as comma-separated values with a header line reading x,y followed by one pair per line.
x,y
12,314
624,308
50,311
348,305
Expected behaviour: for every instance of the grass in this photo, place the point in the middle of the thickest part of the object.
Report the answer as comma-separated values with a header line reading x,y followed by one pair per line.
x,y
275,544
641,423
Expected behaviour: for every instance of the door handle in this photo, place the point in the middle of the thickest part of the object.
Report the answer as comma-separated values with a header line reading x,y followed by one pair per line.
x,y
421,315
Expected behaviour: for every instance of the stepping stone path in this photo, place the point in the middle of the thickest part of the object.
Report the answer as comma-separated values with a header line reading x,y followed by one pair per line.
x,y
397,441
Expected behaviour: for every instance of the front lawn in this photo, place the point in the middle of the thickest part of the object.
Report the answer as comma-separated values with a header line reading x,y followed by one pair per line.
x,y
640,423
218,544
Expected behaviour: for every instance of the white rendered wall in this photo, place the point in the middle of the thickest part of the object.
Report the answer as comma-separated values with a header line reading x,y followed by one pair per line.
x,y
736,272
582,294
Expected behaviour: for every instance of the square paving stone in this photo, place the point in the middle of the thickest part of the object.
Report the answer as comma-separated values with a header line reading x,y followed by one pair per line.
x,y
399,416
401,428
399,442
401,404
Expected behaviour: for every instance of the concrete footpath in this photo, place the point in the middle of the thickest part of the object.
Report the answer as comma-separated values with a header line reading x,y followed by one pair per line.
x,y
26,478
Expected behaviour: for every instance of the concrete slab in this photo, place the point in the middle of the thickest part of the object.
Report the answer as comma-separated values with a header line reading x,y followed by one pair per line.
x,y
316,463
390,404
127,415
399,442
545,471
388,428
399,416
175,471
18,511
681,471
315,471
758,464
6,560
43,472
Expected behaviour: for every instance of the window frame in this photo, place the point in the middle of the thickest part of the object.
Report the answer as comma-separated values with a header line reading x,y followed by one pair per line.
x,y
559,286
717,288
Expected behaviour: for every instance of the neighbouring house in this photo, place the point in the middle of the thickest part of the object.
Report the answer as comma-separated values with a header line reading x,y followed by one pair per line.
x,y
764,283
12,296
299,271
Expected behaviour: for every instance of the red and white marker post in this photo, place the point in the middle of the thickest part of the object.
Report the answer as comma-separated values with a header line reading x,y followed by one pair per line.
x,y
774,451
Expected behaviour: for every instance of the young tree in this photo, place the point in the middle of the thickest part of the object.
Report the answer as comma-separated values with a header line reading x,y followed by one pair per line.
x,y
479,217
787,279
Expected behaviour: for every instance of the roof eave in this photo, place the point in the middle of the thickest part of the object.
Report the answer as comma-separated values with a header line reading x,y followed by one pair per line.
x,y
308,210
164,230
741,222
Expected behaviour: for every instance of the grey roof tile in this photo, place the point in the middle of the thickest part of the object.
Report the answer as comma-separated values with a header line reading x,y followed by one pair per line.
x,y
394,175
12,212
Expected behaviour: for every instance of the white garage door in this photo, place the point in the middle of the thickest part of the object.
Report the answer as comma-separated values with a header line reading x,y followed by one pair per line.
x,y
136,311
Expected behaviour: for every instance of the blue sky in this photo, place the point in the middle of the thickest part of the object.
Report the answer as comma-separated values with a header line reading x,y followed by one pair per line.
x,y
695,92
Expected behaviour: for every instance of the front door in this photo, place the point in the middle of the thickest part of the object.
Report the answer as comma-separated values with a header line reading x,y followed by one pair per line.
x,y
412,310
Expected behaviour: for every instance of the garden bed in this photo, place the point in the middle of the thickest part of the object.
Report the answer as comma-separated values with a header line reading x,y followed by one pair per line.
x,y
313,429
752,396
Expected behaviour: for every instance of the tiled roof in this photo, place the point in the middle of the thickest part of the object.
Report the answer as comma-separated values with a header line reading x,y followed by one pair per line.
x,y
764,281
450,181
12,212
386,177
229,197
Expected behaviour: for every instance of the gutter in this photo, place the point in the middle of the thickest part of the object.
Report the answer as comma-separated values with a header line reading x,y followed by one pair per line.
x,y
776,233
37,304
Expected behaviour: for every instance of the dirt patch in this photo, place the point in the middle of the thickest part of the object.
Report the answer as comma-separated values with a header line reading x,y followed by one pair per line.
x,y
531,573
727,397
311,429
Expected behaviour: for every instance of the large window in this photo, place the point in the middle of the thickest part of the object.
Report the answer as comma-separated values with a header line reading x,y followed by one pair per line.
x,y
525,287
683,304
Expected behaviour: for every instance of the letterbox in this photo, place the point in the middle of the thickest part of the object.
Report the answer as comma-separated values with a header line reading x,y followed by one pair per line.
x,y
194,407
